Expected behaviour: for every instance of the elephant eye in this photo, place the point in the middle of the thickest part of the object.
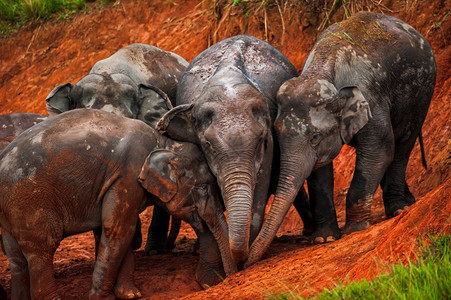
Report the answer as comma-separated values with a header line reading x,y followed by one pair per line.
x,y
315,139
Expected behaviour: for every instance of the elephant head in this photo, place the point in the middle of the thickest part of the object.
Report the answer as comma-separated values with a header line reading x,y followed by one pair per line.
x,y
182,181
115,93
232,124
314,120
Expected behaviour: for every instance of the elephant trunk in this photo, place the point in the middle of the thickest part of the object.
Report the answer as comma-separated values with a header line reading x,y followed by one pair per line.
x,y
219,229
237,186
291,178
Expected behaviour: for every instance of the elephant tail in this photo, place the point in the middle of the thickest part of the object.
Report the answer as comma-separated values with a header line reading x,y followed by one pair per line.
x,y
423,155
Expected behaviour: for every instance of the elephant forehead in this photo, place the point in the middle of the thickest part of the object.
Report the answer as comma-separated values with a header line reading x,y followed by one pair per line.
x,y
326,89
293,123
321,118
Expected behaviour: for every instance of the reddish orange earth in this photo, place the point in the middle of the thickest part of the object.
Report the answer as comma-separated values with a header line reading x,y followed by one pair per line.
x,y
37,58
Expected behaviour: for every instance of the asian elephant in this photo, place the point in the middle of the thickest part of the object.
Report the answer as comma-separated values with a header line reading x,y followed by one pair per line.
x,y
128,83
134,82
368,83
226,105
11,125
58,180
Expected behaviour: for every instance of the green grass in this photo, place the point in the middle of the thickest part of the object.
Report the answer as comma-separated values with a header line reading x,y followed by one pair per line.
x,y
427,278
15,13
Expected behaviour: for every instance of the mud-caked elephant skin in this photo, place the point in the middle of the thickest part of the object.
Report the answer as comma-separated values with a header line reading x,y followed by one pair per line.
x,y
78,171
139,81
133,83
226,104
367,82
11,125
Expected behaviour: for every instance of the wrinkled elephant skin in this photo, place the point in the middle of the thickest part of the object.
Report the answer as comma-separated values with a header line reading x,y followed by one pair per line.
x,y
226,104
367,82
139,81
133,83
58,180
11,125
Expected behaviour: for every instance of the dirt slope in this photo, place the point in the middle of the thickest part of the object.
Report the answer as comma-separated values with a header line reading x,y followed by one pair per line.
x,y
37,58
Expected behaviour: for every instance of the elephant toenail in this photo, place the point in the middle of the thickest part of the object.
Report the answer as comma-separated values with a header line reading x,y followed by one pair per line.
x,y
319,240
330,239
397,212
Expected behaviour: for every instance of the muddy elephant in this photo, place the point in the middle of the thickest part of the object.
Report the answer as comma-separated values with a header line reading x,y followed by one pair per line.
x,y
128,83
368,83
58,180
11,125
226,105
134,82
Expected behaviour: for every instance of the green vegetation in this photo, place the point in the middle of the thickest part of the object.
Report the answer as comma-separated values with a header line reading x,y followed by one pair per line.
x,y
427,278
15,13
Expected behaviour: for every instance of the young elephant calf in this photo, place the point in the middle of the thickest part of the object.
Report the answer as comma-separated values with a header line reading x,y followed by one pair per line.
x,y
78,171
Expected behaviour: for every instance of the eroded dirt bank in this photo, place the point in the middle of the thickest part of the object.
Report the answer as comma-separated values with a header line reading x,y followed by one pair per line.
x,y
38,58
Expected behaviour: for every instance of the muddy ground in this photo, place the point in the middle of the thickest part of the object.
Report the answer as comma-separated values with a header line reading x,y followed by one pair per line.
x,y
38,57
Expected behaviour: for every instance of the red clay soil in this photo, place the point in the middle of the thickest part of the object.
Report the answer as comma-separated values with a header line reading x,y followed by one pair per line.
x,y
37,58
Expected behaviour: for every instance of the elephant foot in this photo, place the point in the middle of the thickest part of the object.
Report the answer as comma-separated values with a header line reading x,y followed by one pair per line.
x,y
308,229
102,296
326,233
129,291
357,216
352,227
394,209
398,212
207,276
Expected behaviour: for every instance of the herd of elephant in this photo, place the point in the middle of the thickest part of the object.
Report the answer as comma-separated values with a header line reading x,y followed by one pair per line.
x,y
222,133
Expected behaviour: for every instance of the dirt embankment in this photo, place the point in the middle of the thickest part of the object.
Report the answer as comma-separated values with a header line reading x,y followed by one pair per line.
x,y
38,58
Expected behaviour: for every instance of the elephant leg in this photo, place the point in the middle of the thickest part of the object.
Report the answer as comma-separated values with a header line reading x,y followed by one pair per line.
x,y
3,294
136,242
119,219
321,192
373,156
396,193
97,232
137,237
302,205
173,233
20,276
125,287
210,270
410,199
158,231
42,281
40,236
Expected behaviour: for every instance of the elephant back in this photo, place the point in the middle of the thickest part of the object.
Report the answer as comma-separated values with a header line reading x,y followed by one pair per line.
x,y
145,64
246,56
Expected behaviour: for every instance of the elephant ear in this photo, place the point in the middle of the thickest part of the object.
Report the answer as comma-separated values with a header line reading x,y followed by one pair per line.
x,y
59,101
153,104
158,175
355,113
178,123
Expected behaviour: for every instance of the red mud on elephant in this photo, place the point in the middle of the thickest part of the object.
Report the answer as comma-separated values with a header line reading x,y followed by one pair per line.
x,y
37,58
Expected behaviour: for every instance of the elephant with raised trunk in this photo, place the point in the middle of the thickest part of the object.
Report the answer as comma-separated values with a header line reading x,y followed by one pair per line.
x,y
226,104
78,171
368,83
